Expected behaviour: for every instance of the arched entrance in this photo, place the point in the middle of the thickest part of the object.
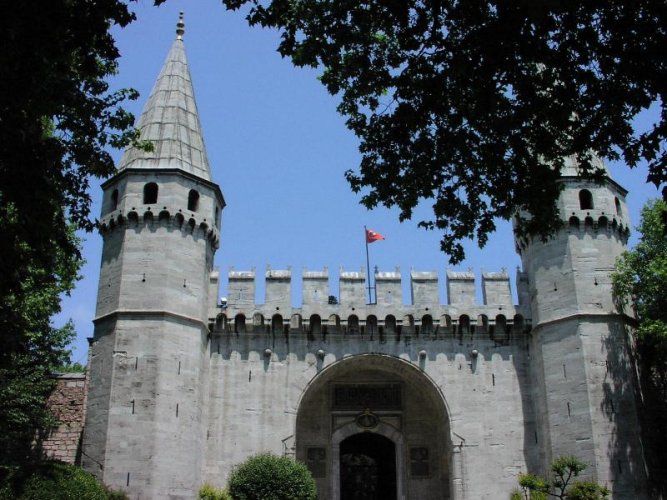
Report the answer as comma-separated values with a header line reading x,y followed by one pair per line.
x,y
375,426
367,467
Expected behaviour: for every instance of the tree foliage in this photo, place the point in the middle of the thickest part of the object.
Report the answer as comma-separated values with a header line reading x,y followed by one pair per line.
x,y
474,106
210,492
34,350
57,120
641,278
56,481
562,485
640,281
268,477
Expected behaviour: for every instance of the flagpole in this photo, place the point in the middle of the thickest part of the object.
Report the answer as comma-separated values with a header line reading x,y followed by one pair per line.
x,y
368,266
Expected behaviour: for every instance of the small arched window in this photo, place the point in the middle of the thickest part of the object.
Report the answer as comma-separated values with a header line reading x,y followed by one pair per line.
x,y
371,324
427,324
276,324
114,199
315,325
445,326
585,200
296,322
333,324
464,324
150,193
258,322
619,210
500,332
193,200
353,324
239,323
221,323
390,324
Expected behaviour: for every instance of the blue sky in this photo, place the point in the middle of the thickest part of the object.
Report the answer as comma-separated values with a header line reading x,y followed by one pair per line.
x,y
278,149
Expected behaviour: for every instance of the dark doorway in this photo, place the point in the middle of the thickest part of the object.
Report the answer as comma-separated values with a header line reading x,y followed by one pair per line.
x,y
367,468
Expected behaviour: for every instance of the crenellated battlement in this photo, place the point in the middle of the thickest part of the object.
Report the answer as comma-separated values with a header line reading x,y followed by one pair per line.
x,y
351,312
172,219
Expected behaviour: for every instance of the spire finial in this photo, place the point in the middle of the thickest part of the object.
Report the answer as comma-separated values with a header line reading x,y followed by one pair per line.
x,y
180,27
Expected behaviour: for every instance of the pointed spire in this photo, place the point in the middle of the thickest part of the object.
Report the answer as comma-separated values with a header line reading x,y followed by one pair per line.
x,y
170,120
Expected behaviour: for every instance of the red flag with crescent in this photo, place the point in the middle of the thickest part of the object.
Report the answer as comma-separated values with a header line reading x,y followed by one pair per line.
x,y
372,236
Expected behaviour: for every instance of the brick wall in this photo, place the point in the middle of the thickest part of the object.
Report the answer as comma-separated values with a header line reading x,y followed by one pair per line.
x,y
67,402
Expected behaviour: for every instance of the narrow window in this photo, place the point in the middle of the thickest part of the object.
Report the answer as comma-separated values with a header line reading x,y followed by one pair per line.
x,y
353,324
585,200
427,324
150,193
315,325
619,211
193,200
464,324
239,323
276,324
371,325
334,324
390,324
114,199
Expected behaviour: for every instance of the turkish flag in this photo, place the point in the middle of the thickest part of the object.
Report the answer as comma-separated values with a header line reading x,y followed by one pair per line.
x,y
372,236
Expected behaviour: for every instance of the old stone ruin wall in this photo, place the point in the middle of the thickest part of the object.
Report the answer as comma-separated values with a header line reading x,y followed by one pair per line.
x,y
67,403
321,314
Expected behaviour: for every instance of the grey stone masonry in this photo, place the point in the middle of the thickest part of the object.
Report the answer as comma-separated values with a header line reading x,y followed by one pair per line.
x,y
584,381
439,398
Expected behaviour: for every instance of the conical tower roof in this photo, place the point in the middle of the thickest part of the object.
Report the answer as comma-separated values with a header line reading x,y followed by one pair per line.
x,y
170,120
571,167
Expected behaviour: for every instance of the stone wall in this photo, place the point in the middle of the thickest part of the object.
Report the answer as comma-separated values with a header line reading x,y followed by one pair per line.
x,y
67,403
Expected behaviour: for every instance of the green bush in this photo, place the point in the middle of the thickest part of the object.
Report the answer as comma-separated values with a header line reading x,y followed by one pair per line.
x,y
58,481
268,477
209,492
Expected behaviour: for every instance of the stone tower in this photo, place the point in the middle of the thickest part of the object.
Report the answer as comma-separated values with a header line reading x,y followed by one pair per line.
x,y
408,395
146,420
583,377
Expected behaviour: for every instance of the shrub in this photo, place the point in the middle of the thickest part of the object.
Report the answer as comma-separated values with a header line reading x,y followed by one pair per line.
x,y
209,492
268,477
58,481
